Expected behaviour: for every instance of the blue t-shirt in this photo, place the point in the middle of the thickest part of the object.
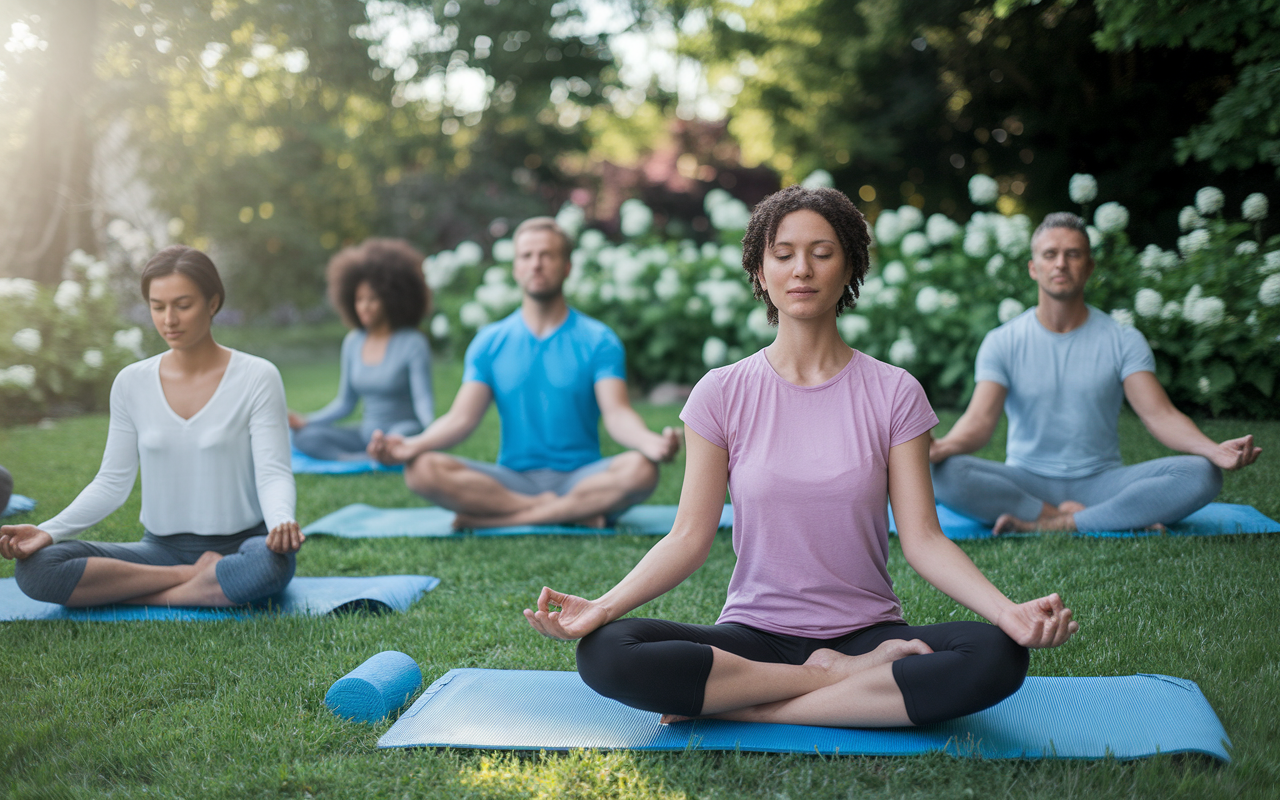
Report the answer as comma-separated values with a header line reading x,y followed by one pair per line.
x,y
1065,390
545,388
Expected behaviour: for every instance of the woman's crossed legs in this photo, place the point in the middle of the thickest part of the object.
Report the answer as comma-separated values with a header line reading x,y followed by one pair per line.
x,y
888,675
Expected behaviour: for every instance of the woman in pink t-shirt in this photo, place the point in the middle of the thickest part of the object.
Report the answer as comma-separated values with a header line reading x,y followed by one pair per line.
x,y
811,438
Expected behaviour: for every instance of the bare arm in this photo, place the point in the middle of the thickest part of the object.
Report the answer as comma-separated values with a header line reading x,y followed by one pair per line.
x,y
626,426
1176,431
677,556
974,428
1043,622
452,427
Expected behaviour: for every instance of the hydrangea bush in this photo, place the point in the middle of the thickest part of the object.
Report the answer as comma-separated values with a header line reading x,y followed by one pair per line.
x,y
61,348
1210,308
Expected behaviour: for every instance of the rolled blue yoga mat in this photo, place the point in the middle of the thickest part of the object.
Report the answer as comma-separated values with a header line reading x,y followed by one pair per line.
x,y
376,689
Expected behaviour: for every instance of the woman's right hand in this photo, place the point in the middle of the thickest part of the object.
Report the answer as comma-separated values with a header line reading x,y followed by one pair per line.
x,y
576,618
297,421
22,541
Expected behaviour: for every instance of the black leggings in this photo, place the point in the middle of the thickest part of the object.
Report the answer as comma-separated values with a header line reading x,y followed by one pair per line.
x,y
661,666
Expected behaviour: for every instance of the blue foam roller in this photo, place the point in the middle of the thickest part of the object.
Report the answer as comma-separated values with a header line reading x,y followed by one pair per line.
x,y
375,689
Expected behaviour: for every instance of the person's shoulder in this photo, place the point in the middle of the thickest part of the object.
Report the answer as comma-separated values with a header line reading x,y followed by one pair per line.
x,y
254,368
131,374
1108,326
589,327
1016,328
749,369
411,338
496,331
873,370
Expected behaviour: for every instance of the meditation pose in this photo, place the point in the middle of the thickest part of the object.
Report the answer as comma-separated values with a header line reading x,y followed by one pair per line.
x,y
811,438
207,427
554,373
379,290
1060,371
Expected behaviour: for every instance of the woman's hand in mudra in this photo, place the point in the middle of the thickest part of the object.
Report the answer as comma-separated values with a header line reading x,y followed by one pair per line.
x,y
575,617
285,538
1043,622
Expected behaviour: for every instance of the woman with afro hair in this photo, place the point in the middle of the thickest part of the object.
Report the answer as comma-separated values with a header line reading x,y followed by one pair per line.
x,y
811,438
378,288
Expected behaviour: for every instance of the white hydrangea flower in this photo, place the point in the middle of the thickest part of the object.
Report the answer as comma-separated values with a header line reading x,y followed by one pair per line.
x,y
1247,248
1171,310
1209,200
721,316
731,256
1203,311
1254,208
1203,384
722,292
1150,261
1095,237
889,297
92,358
1189,219
473,315
608,292
1193,242
894,272
440,326
67,297
636,218
976,243
1270,263
983,190
1082,188
590,240
1148,303
22,376
1013,234
28,340
668,284
504,250
1123,316
468,253
886,229
730,215
129,339
903,350
915,244
1252,321
710,251
948,299
872,288
714,352
1111,217
1269,291
571,218
693,306
994,265
23,289
923,265
758,323
909,218
440,269
928,300
940,229
852,326
818,179
98,272
1008,309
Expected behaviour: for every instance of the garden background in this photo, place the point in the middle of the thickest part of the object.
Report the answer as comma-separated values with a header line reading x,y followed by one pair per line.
x,y
273,134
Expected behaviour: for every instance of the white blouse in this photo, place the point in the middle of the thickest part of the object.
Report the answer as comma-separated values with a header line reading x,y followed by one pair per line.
x,y
224,470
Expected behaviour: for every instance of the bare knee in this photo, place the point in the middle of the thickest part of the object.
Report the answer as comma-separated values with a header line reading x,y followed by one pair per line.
x,y
425,474
636,471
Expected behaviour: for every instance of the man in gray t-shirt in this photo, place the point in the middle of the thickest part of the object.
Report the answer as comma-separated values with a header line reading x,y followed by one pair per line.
x,y
1060,371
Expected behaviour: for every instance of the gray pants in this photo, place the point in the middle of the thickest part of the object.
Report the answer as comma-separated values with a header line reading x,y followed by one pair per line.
x,y
537,481
249,571
1119,499
334,443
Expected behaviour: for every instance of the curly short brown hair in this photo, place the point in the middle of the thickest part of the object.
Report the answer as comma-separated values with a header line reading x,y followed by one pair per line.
x,y
392,268
849,224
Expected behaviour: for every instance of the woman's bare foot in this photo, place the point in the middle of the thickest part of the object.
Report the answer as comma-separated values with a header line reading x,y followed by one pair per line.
x,y
206,560
528,516
669,719
1052,518
841,666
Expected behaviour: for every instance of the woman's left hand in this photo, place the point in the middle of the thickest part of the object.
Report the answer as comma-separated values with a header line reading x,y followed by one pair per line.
x,y
1044,622
286,537
297,421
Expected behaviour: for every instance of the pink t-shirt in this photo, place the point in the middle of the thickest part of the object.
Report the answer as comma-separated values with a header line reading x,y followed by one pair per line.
x,y
809,479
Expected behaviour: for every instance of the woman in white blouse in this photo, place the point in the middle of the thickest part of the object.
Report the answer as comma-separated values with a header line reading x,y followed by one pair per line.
x,y
207,425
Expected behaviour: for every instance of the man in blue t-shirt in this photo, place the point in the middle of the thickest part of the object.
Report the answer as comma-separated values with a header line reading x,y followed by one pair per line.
x,y
554,373
1061,371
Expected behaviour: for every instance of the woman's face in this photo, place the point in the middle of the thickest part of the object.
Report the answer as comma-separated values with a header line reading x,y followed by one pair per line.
x,y
805,271
181,313
369,308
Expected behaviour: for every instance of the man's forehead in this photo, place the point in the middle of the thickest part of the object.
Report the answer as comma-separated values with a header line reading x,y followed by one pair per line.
x,y
536,237
1061,238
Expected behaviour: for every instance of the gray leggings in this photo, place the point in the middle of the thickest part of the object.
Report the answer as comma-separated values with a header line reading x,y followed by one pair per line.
x,y
248,572
1119,499
334,443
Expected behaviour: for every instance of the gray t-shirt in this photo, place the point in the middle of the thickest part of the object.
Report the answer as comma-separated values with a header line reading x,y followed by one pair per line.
x,y
1065,390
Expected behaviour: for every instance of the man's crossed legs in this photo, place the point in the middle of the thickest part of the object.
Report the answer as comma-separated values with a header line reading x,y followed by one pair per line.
x,y
1158,492
489,495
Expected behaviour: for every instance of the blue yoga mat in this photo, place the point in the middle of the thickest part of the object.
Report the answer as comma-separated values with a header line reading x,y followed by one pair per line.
x,y
302,597
360,521
1214,519
18,504
305,464
1124,717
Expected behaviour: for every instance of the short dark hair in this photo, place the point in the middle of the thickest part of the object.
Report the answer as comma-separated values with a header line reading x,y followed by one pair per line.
x,y
186,261
836,208
544,224
1063,219
392,268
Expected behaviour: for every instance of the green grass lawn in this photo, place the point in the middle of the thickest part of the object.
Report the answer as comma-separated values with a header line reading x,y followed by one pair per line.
x,y
234,709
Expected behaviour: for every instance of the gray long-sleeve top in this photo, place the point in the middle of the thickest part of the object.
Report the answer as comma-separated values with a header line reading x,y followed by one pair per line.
x,y
395,390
